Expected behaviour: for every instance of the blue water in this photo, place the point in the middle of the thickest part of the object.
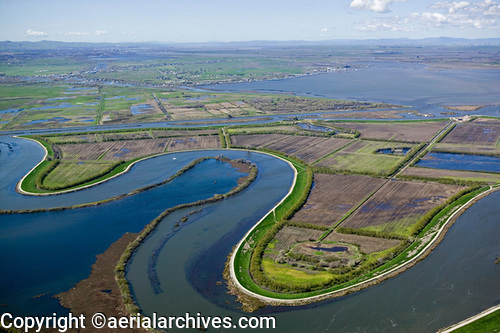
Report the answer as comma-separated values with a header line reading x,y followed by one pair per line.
x,y
399,83
453,161
60,106
39,121
11,110
44,251
315,128
141,108
393,151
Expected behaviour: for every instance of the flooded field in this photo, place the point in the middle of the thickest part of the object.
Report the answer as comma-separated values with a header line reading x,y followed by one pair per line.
x,y
455,161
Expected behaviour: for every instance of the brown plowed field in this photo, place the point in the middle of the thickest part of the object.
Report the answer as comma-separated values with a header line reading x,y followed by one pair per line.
x,y
313,153
194,142
256,140
289,236
439,173
398,205
294,143
471,133
85,151
115,151
165,134
366,244
333,196
414,132
127,150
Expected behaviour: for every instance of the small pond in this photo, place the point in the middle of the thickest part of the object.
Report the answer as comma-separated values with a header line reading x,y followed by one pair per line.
x,y
315,128
330,249
394,151
141,108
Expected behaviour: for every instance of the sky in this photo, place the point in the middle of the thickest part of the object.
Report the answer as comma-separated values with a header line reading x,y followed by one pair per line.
x,y
183,21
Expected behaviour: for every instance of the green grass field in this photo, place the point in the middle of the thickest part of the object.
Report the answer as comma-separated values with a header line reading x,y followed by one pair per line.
x,y
68,173
487,324
361,157
285,274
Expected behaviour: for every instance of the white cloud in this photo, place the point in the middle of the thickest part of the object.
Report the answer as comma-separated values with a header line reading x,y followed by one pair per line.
x,y
452,7
85,33
77,33
379,6
34,33
457,14
393,24
324,30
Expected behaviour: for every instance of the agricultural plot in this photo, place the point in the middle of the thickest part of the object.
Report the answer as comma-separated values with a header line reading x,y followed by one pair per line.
x,y
175,133
127,150
398,205
63,139
366,244
322,148
263,130
194,142
362,157
395,131
293,144
477,137
473,133
85,151
256,140
289,236
69,172
333,196
113,151
452,174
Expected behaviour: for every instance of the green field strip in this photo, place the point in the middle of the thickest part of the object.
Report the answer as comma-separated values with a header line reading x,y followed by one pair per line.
x,y
333,152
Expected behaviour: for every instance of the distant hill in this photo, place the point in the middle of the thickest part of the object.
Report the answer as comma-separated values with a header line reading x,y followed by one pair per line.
x,y
51,45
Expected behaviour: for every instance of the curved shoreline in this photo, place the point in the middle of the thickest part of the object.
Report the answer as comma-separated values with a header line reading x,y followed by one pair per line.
x,y
77,188
469,320
424,252
82,187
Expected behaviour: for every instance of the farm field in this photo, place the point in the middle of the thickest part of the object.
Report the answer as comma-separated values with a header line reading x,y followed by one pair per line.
x,y
400,131
289,236
70,172
362,157
294,144
333,196
193,142
398,205
480,136
263,130
313,153
452,174
256,141
113,150
474,133
366,244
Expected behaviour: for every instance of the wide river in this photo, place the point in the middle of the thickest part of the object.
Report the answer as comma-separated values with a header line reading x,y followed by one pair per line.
x,y
176,270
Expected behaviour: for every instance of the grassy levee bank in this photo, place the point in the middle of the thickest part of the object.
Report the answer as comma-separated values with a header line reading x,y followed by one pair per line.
x,y
484,324
120,278
427,235
33,182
